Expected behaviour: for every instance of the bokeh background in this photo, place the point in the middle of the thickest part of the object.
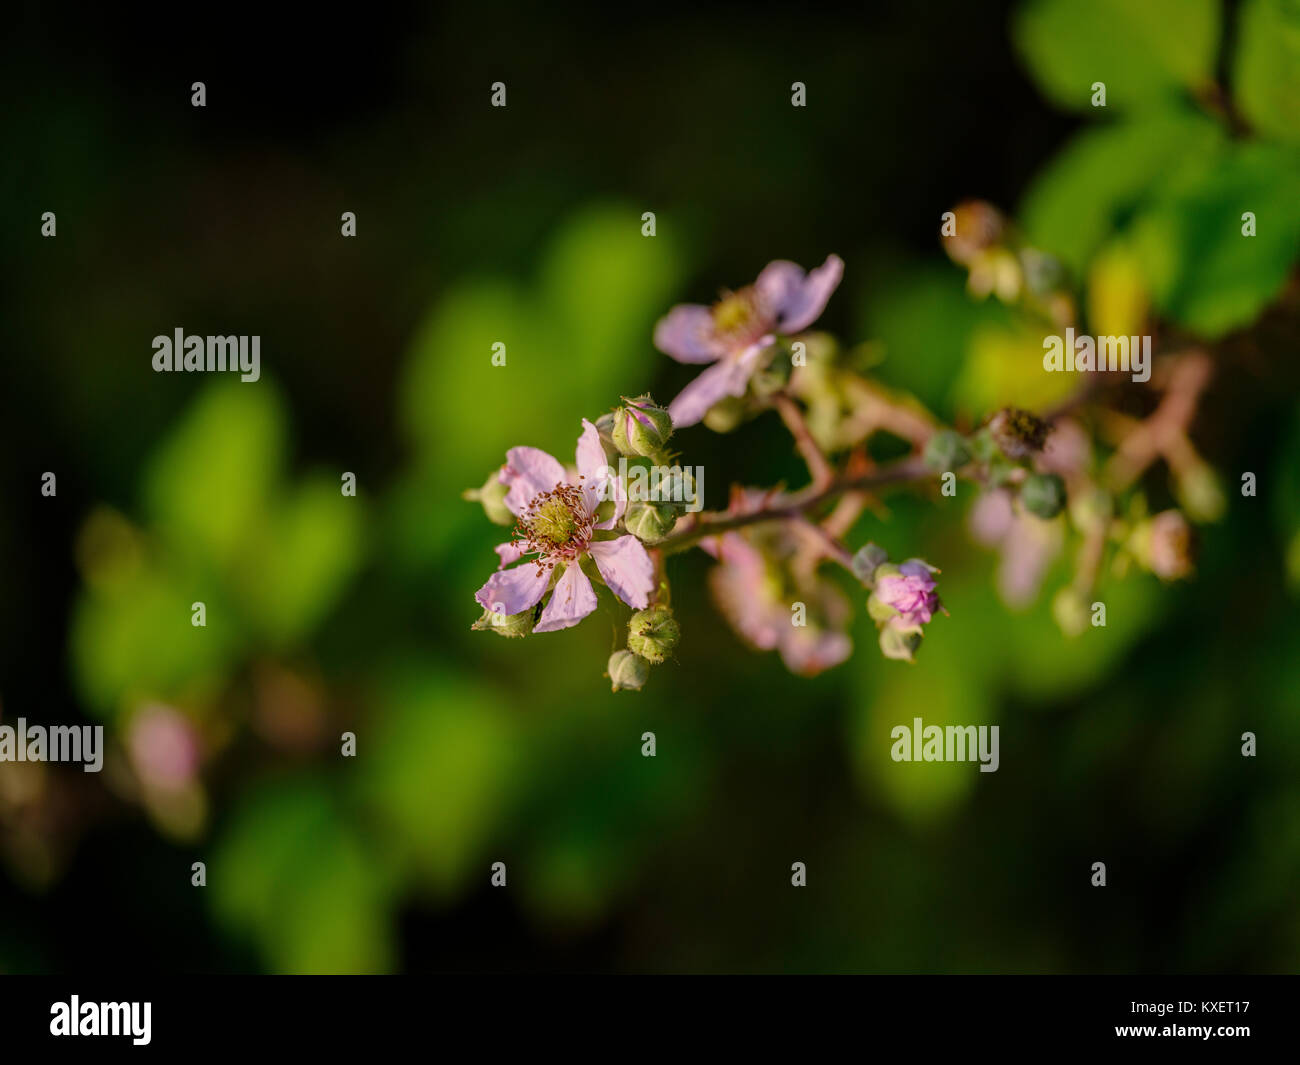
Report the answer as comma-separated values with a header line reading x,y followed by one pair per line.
x,y
523,225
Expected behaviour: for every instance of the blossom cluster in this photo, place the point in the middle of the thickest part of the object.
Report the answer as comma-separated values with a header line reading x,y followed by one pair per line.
x,y
578,529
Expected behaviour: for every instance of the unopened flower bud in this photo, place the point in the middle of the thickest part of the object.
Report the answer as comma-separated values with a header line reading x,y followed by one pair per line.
x,y
866,561
946,450
1166,545
511,625
977,226
1043,495
650,522
641,428
626,670
493,498
1018,433
899,641
605,430
1200,492
1070,610
653,633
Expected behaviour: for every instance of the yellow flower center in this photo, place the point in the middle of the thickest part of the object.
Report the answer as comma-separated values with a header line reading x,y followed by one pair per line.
x,y
553,522
734,312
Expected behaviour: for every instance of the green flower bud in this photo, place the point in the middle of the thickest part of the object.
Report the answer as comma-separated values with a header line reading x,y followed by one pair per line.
x,y
946,450
626,670
1043,495
510,625
493,497
1070,610
641,428
866,562
605,430
900,643
650,522
1200,492
653,633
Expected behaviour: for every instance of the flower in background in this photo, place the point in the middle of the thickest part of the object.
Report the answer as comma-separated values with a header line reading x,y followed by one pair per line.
x,y
163,748
557,523
754,598
1026,545
735,332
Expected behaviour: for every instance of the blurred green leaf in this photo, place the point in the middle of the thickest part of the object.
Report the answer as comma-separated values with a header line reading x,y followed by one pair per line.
x,y
1203,272
575,342
1144,52
214,474
301,559
1093,185
137,641
924,318
439,771
1266,67
291,873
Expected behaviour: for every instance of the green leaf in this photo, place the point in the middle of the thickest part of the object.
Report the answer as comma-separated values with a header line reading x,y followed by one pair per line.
x,y
1144,51
215,473
293,875
1266,67
135,641
924,317
1091,188
301,560
1202,271
439,773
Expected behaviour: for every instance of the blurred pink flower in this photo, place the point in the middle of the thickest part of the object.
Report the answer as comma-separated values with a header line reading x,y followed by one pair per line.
x,y
752,597
163,747
735,332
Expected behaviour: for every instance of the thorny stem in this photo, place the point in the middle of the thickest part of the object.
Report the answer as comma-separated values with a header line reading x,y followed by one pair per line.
x,y
798,505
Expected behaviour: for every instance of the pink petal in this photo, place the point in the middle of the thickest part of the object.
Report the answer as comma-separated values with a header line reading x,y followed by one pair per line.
x,y
593,465
512,591
572,600
686,333
794,298
727,378
626,567
808,651
508,553
528,473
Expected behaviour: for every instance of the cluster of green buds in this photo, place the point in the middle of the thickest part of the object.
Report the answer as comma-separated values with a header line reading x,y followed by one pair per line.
x,y
652,635
1004,448
977,236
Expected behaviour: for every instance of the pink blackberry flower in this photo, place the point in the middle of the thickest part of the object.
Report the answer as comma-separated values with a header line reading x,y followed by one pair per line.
x,y
909,591
736,331
557,519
